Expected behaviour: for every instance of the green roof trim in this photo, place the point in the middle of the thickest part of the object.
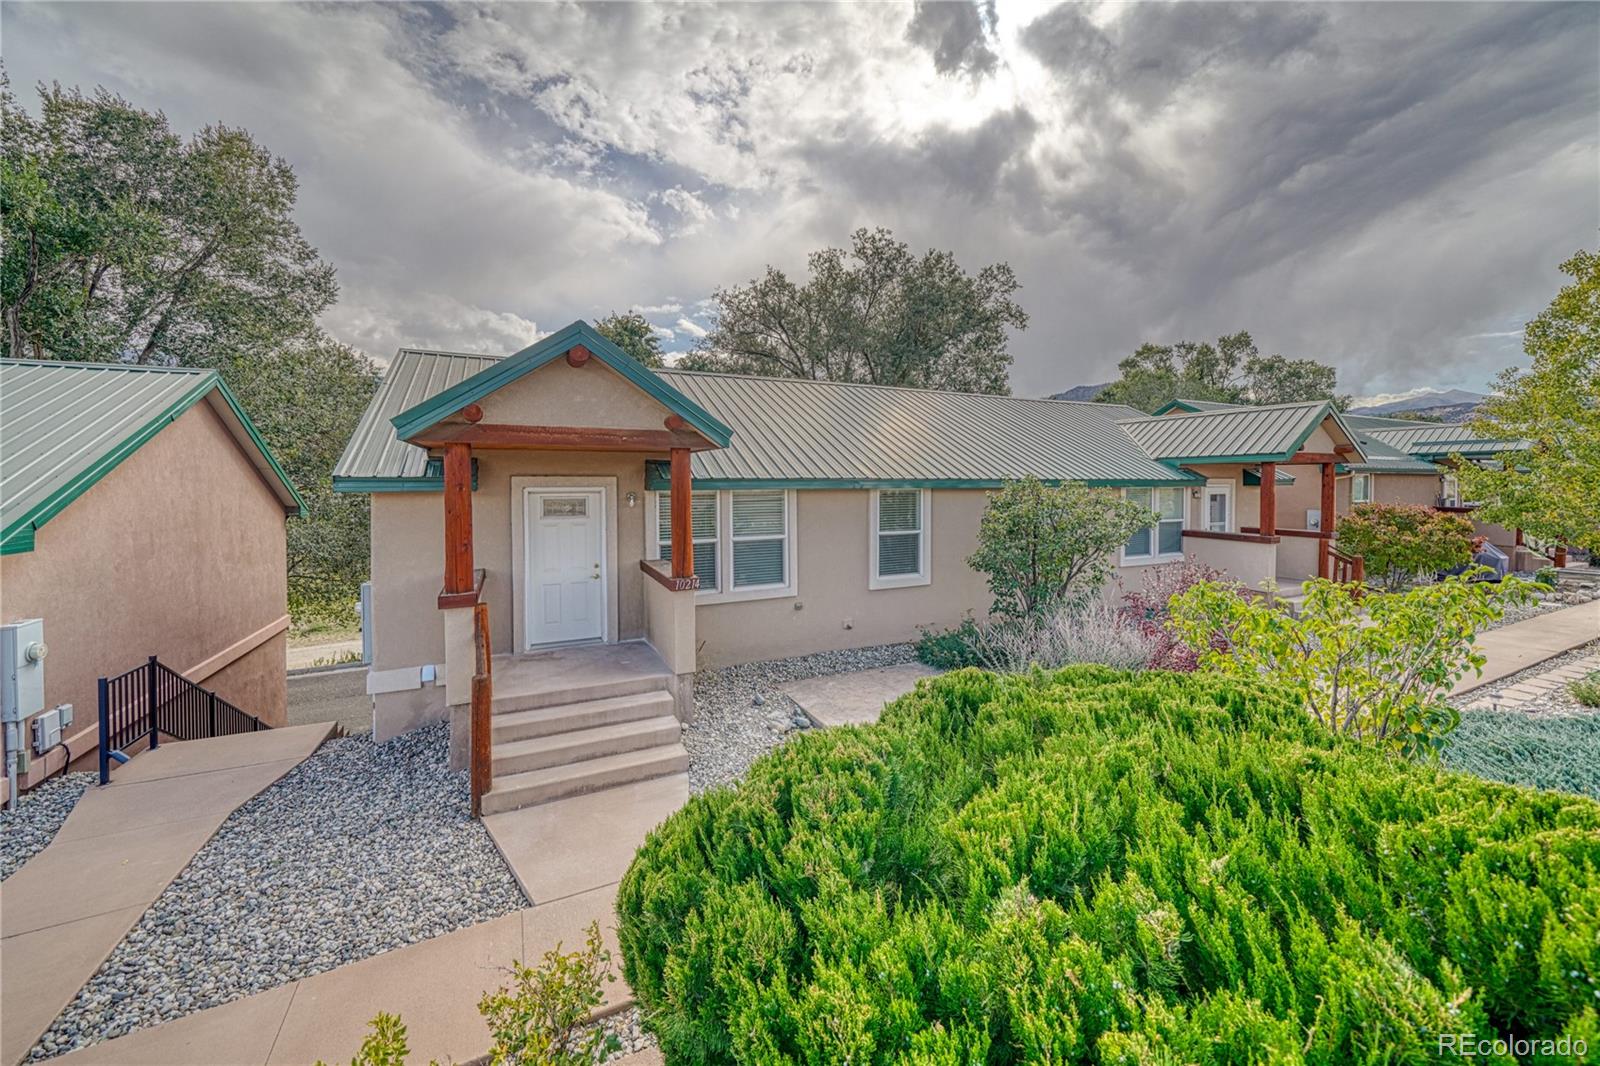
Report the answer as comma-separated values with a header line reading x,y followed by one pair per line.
x,y
18,535
657,479
410,422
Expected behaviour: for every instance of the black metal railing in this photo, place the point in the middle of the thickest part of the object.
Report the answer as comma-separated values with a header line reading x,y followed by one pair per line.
x,y
152,701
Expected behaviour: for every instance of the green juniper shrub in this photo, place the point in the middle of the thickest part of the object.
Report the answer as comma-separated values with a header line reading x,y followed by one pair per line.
x,y
1103,867
1401,542
951,649
1540,750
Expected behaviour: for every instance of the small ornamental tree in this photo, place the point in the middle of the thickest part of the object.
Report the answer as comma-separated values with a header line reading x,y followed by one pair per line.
x,y
1400,541
1377,669
1045,547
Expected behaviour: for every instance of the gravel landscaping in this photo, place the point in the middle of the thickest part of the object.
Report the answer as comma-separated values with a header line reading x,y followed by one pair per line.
x,y
360,849
741,715
28,829
1567,595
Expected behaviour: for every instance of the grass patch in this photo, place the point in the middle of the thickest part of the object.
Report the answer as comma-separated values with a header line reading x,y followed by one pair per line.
x,y
1559,751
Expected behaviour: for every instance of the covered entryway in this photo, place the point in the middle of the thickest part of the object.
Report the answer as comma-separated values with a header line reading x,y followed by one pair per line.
x,y
564,562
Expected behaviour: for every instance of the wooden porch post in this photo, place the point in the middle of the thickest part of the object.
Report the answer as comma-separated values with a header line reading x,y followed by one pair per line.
x,y
682,515
458,518
1329,520
1269,499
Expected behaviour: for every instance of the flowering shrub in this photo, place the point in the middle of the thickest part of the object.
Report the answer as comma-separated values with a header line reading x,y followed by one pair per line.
x,y
1401,541
1099,867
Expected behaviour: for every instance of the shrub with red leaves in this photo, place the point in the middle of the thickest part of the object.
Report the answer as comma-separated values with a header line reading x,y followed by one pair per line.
x,y
1147,608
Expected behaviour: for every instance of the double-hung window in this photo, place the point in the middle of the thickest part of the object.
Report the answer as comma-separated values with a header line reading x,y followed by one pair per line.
x,y
743,542
703,522
899,523
1164,539
1360,488
760,532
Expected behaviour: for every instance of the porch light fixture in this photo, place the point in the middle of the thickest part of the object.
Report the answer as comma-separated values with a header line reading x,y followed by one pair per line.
x,y
633,499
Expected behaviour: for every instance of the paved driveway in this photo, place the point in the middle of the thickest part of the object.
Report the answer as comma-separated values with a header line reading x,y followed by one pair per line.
x,y
338,695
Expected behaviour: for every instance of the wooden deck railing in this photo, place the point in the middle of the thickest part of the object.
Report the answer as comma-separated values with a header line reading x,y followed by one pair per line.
x,y
482,754
1347,569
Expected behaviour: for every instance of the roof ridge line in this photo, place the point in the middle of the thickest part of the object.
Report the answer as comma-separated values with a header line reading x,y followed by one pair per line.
x,y
83,364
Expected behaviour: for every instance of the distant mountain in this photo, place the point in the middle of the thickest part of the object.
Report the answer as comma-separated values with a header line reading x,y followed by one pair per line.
x,y
1081,392
1452,405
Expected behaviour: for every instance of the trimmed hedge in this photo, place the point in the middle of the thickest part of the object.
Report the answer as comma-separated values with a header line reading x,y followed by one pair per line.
x,y
1091,866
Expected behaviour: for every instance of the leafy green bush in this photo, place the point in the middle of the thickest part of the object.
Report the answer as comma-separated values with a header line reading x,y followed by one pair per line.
x,y
951,649
1048,547
1402,541
1540,750
1093,866
1548,576
538,1021
1586,690
1377,669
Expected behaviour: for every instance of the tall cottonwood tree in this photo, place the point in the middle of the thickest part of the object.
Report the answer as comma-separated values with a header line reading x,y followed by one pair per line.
x,y
875,313
125,242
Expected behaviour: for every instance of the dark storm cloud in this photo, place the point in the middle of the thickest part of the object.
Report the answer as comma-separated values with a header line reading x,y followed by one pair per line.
x,y
1388,188
954,31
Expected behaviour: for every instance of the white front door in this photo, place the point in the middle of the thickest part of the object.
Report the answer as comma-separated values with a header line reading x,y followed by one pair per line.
x,y
565,565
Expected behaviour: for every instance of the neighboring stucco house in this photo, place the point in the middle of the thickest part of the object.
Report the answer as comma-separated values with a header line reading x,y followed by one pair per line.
x,y
591,502
142,515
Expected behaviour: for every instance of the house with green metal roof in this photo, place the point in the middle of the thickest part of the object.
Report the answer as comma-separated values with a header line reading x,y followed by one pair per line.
x,y
595,518
141,514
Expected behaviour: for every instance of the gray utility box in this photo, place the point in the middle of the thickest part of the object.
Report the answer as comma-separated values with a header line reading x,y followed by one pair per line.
x,y
22,653
47,727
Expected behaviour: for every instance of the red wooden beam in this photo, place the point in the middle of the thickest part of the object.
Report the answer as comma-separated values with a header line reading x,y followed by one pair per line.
x,y
675,423
676,584
494,435
457,518
577,355
1269,499
1329,504
682,515
1313,458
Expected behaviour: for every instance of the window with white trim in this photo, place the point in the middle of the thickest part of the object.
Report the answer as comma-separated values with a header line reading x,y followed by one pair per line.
x,y
1360,488
899,523
743,541
1164,539
760,530
703,533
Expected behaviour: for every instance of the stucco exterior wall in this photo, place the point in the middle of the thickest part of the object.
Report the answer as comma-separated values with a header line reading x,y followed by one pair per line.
x,y
178,552
1418,489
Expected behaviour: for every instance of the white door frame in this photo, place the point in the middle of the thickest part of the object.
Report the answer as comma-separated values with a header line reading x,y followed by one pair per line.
x,y
1225,487
521,487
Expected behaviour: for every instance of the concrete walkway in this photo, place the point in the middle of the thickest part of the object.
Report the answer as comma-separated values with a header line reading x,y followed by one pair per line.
x,y
70,905
568,856
855,698
1512,649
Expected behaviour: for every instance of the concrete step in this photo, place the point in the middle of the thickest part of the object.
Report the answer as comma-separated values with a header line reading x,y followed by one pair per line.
x,y
510,726
584,744
512,791
509,700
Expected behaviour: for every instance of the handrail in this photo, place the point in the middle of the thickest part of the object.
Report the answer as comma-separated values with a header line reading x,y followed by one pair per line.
x,y
480,770
1246,537
1348,570
153,700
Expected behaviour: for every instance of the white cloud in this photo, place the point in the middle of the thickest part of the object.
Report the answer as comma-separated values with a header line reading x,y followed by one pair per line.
x,y
693,329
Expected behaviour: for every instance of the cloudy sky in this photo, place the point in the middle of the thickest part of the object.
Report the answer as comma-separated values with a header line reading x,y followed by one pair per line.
x,y
1388,188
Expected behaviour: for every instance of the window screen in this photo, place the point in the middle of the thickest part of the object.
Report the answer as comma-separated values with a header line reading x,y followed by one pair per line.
x,y
760,527
899,532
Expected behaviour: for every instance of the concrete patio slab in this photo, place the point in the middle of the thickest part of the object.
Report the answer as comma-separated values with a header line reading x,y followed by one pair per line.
x,y
574,845
1512,649
855,698
533,676
70,905
44,970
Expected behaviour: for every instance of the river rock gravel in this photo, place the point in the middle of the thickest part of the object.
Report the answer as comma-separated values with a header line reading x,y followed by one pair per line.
x,y
28,829
360,849
741,714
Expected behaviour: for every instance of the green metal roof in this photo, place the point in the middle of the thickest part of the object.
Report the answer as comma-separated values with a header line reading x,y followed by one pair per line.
x,y
1435,440
64,426
1384,458
1195,406
408,423
1234,435
803,433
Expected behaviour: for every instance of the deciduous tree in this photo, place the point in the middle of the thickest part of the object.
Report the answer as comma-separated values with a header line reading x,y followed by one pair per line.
x,y
1549,490
1230,371
876,313
634,334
